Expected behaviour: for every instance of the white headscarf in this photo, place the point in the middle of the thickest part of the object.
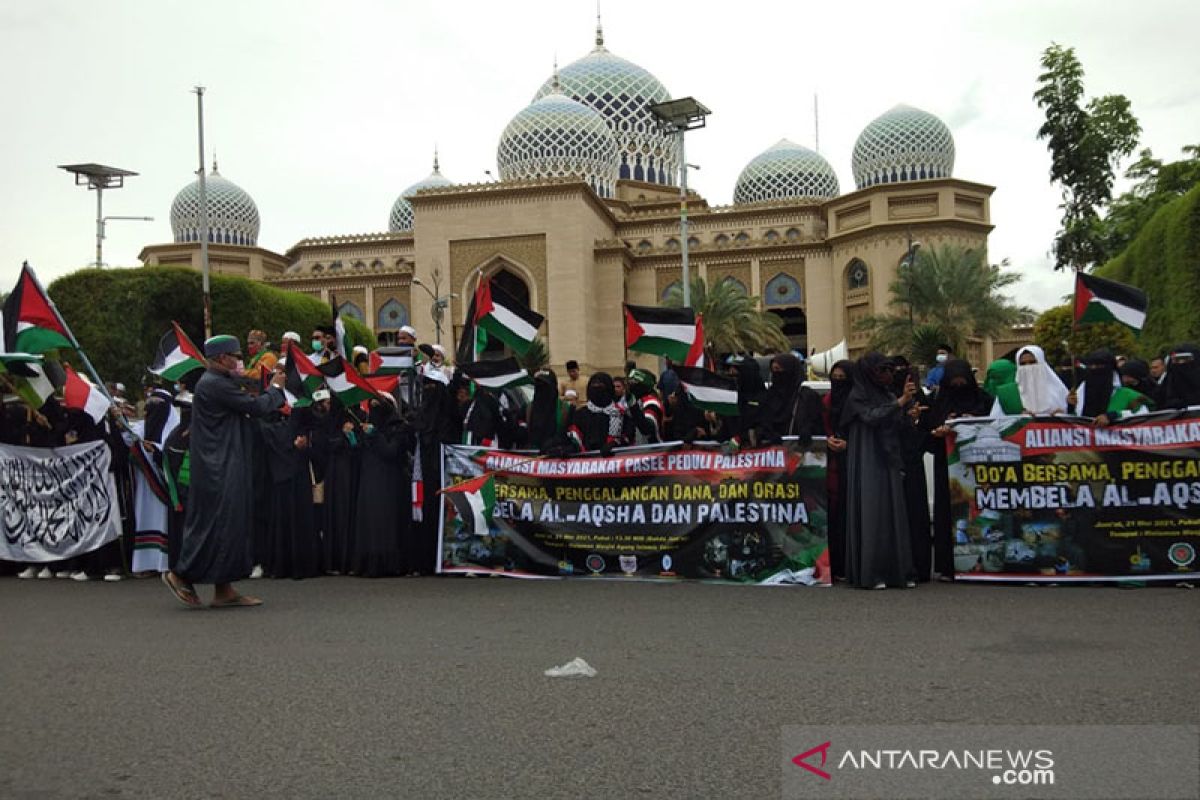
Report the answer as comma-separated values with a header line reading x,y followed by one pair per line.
x,y
1042,391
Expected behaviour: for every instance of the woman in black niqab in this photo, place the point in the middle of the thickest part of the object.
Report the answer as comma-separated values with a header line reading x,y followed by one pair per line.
x,y
383,511
788,408
1181,388
1098,384
878,549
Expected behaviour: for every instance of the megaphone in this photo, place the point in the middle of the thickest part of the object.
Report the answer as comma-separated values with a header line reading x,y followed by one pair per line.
x,y
819,364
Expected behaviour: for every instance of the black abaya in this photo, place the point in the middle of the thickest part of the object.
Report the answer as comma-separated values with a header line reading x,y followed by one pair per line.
x,y
217,535
338,458
293,546
878,547
382,504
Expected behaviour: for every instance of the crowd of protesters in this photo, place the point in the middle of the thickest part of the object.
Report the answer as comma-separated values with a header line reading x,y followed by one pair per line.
x,y
341,489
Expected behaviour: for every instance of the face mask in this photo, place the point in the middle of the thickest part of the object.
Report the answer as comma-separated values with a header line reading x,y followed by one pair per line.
x,y
239,366
317,345
941,358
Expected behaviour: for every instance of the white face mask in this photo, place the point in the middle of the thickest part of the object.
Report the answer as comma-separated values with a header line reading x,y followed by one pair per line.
x,y
239,366
941,358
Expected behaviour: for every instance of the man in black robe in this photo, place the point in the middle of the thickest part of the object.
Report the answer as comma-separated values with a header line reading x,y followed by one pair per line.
x,y
878,547
217,532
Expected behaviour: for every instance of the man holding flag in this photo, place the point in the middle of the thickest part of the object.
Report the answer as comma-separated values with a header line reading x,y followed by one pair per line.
x,y
217,536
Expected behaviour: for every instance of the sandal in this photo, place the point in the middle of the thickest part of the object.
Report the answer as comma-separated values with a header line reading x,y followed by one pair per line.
x,y
237,601
183,592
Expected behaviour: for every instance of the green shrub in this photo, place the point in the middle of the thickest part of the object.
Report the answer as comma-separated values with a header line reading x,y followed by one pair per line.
x,y
119,315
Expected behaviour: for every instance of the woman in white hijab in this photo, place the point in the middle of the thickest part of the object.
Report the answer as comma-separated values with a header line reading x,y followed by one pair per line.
x,y
1042,392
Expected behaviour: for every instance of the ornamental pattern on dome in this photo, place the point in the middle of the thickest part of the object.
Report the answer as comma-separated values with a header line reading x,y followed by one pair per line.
x,y
556,137
232,214
401,218
905,144
786,171
623,92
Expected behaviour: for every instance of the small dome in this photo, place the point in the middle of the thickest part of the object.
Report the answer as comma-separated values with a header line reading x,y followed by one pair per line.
x,y
232,214
623,93
401,218
786,171
905,144
557,137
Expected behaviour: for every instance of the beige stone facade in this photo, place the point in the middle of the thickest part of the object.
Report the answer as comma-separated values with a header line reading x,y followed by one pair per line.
x,y
821,264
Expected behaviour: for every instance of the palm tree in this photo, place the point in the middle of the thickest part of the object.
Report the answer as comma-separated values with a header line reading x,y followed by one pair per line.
x,y
733,321
948,295
536,357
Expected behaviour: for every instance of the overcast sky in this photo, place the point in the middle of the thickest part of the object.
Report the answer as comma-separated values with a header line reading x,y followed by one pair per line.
x,y
325,111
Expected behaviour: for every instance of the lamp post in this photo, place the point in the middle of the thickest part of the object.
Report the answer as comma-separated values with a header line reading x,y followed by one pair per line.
x,y
99,178
677,117
910,259
203,222
440,303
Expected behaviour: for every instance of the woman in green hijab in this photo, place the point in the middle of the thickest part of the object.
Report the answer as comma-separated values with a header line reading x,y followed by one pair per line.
x,y
1001,384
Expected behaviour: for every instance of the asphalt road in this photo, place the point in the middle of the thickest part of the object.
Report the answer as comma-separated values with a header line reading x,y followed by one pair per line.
x,y
433,688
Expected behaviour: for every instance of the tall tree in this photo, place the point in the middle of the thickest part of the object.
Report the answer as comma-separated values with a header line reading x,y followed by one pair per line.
x,y
733,321
948,295
1086,142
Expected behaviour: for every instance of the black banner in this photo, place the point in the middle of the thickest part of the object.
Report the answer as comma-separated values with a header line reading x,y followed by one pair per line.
x,y
663,511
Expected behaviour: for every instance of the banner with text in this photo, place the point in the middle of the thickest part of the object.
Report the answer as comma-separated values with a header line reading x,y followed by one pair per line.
x,y
1060,500
661,511
58,502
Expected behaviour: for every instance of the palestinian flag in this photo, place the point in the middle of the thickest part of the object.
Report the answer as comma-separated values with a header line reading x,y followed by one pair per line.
x,y
302,377
339,327
391,360
709,391
347,385
502,374
695,356
473,502
34,389
384,383
506,317
1101,300
31,322
84,396
473,339
176,356
667,332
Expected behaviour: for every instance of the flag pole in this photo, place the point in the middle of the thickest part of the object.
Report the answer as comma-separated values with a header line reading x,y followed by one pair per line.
x,y
1074,329
87,364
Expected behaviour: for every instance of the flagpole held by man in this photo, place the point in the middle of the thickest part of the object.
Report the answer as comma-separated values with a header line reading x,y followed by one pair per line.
x,y
217,531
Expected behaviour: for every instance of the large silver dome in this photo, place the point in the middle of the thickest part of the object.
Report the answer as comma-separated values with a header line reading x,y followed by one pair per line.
x,y
232,214
786,171
401,218
905,144
623,92
557,137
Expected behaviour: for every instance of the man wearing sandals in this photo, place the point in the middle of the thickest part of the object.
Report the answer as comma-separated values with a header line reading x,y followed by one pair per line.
x,y
217,529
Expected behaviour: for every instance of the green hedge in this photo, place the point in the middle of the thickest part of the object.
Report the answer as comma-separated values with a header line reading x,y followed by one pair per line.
x,y
1164,261
119,315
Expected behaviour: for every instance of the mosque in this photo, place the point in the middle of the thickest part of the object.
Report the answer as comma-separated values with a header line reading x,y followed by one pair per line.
x,y
586,215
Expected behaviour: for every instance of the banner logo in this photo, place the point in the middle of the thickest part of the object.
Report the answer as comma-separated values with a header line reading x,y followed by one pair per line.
x,y
628,564
595,562
802,760
1181,554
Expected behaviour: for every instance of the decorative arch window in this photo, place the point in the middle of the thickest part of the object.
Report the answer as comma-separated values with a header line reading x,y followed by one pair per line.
x,y
693,241
672,243
377,264
721,240
742,237
318,267
772,236
793,234
858,276
335,266
644,246
359,265
734,283
783,290
348,309
674,286
392,314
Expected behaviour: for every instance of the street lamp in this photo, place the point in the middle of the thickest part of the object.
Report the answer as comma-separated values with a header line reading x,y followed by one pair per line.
x,y
440,303
100,177
910,259
677,117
